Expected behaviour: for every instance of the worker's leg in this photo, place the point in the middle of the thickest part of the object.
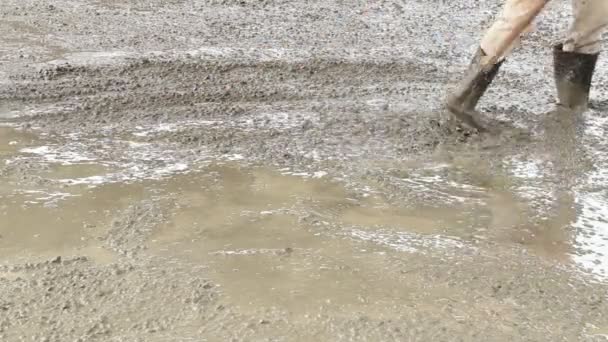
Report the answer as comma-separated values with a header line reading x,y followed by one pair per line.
x,y
477,80
575,59
508,18
512,14
590,22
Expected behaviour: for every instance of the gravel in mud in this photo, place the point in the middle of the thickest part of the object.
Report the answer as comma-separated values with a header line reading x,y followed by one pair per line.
x,y
402,225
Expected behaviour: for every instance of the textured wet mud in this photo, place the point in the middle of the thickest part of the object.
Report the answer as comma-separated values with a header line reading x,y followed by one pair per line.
x,y
285,171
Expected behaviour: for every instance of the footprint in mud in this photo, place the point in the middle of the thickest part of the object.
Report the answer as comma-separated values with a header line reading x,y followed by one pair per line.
x,y
498,135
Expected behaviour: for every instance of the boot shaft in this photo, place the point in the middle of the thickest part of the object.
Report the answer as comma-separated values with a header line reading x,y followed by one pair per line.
x,y
477,79
573,76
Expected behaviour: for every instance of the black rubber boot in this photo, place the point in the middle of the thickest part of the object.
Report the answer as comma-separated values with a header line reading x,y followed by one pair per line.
x,y
573,75
470,90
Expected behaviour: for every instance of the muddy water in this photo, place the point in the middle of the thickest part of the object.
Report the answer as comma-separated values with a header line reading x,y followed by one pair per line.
x,y
71,224
250,226
12,140
48,219
267,238
270,239
236,211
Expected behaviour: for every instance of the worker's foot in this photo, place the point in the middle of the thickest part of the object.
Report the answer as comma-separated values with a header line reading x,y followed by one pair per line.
x,y
460,112
461,103
573,76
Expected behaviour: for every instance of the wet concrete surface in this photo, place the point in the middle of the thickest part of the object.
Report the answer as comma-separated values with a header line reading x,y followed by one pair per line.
x,y
284,171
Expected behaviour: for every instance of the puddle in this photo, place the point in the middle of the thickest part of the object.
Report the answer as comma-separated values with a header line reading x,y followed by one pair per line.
x,y
11,140
250,227
227,202
268,239
309,245
71,223
274,239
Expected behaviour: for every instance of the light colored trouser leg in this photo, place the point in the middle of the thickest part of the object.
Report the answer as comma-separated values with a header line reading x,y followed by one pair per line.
x,y
590,22
511,14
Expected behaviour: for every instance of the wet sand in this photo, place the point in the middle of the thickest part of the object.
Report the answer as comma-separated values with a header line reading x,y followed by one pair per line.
x,y
284,171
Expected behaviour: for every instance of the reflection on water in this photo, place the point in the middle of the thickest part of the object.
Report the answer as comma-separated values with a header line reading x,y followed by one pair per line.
x,y
592,233
565,181
592,200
